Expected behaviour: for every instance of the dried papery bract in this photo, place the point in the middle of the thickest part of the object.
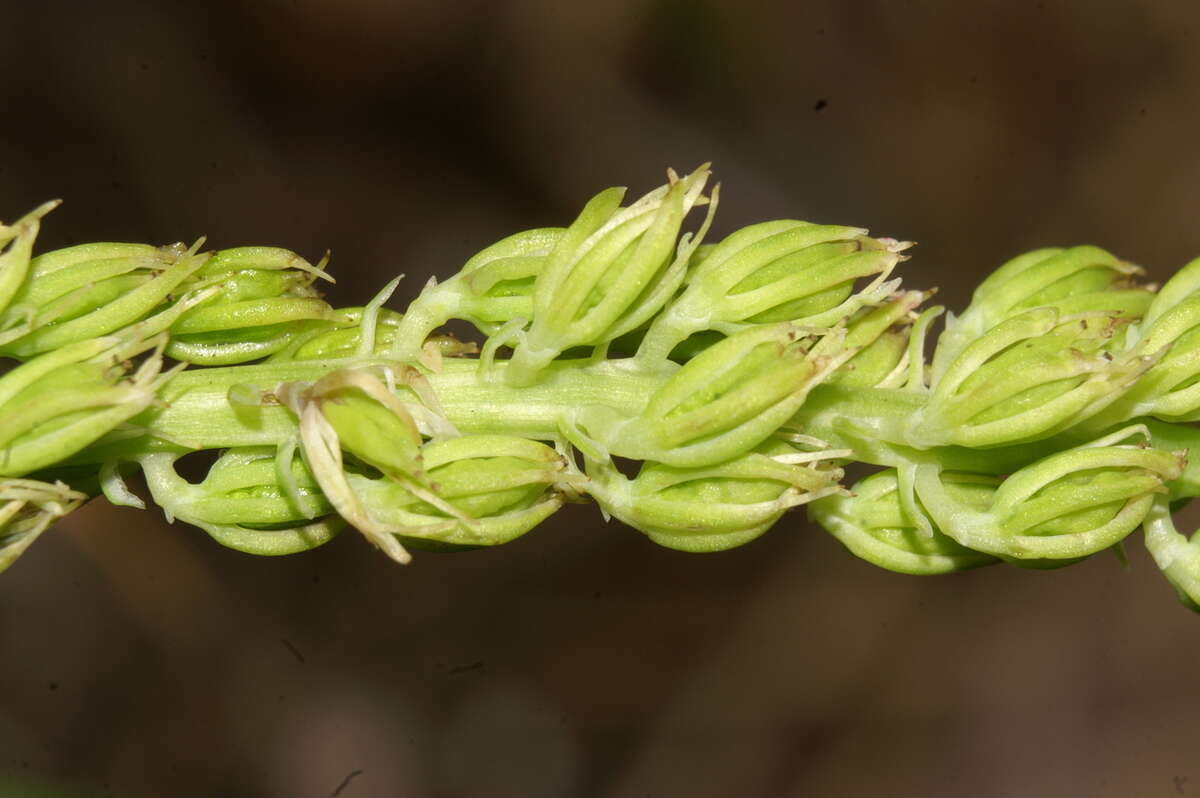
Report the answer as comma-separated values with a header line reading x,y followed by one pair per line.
x,y
353,410
27,509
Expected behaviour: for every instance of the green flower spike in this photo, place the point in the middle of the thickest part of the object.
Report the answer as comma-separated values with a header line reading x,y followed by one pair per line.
x,y
1061,508
501,486
608,273
1028,377
721,403
716,507
873,524
259,298
354,410
777,271
253,499
58,403
1078,280
1176,556
27,509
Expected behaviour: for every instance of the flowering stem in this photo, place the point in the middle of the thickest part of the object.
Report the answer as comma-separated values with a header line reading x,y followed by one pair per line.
x,y
1054,417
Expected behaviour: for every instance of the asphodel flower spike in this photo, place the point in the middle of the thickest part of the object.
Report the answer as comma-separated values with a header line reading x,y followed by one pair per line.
x,y
705,389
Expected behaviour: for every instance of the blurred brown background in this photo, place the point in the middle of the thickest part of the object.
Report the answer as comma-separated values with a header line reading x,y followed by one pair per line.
x,y
138,659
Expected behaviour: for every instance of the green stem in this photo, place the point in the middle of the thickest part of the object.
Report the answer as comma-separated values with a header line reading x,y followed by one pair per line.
x,y
195,412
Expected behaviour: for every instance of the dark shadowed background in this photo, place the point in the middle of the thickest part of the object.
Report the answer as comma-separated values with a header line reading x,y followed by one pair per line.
x,y
139,659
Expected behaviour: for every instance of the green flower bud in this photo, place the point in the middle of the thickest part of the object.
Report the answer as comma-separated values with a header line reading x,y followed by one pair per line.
x,y
58,403
498,283
608,273
492,289
89,297
337,340
262,296
1079,280
873,524
27,509
252,499
63,279
16,246
1029,377
502,486
777,271
720,404
1063,507
879,336
1176,556
719,506
1168,337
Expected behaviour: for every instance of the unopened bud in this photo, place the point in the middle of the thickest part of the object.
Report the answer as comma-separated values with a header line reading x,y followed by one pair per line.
x,y
251,500
608,273
58,403
873,523
1063,507
1079,280
719,506
1028,377
723,402
777,271
500,486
